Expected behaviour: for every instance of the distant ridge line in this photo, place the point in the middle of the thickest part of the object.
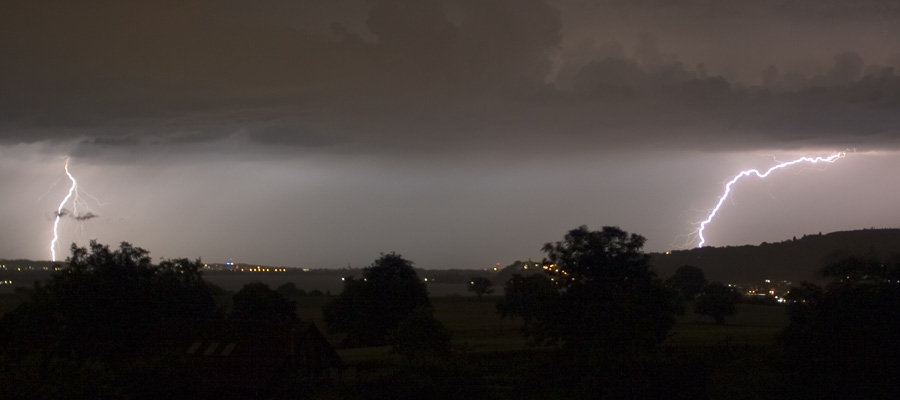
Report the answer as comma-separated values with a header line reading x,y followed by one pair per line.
x,y
796,259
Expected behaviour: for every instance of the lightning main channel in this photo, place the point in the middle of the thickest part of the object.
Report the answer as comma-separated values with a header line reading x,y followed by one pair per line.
x,y
712,214
59,212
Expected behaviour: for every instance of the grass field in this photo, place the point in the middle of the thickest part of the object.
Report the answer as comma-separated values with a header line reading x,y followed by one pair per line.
x,y
476,324
737,360
752,324
478,328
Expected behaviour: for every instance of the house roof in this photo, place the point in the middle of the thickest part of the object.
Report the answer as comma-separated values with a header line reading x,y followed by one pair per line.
x,y
249,355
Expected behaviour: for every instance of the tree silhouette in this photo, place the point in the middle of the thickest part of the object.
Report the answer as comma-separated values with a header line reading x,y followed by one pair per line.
x,y
109,300
605,300
842,340
480,286
256,301
289,291
371,307
688,281
83,333
718,301
419,334
531,297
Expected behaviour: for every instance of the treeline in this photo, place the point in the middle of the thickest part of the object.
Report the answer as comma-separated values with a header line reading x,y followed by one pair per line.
x,y
597,314
113,325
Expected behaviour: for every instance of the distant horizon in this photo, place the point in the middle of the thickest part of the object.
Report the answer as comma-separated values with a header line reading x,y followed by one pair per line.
x,y
502,264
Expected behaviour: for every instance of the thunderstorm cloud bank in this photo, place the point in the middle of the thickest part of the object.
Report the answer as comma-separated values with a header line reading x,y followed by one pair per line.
x,y
436,74
437,94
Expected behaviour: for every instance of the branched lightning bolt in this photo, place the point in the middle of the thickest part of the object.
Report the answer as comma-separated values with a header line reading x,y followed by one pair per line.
x,y
728,186
59,211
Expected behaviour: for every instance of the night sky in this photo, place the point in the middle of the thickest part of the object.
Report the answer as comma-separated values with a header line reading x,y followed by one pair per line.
x,y
459,133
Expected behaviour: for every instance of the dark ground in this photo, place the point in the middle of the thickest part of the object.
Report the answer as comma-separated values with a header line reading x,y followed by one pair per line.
x,y
492,359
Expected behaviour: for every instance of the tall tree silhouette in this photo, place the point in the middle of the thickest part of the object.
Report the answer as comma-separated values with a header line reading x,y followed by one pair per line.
x,y
688,281
605,300
369,308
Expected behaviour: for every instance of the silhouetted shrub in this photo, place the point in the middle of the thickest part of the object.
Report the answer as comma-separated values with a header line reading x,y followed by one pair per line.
x,y
255,301
718,301
844,342
371,307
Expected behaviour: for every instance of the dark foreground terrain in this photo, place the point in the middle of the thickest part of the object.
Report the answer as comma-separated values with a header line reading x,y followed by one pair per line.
x,y
493,360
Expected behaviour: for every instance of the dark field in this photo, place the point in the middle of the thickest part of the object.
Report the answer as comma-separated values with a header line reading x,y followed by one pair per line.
x,y
330,282
478,327
737,360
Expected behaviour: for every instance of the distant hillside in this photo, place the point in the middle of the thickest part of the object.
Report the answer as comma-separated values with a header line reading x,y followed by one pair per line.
x,y
27,265
519,267
795,260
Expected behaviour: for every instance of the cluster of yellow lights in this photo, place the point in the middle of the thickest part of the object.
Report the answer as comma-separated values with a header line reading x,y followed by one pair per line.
x,y
262,269
553,268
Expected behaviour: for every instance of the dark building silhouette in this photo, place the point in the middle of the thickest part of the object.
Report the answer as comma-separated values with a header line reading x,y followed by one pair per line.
x,y
254,358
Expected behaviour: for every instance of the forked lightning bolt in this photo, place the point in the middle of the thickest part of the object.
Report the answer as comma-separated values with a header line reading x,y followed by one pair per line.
x,y
728,186
60,211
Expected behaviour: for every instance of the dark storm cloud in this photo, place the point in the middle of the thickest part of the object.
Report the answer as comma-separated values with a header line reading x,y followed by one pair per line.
x,y
794,9
78,217
106,141
84,216
293,136
440,76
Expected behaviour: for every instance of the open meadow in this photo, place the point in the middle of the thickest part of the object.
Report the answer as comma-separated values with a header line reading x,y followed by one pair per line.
x,y
478,327
740,359
737,360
